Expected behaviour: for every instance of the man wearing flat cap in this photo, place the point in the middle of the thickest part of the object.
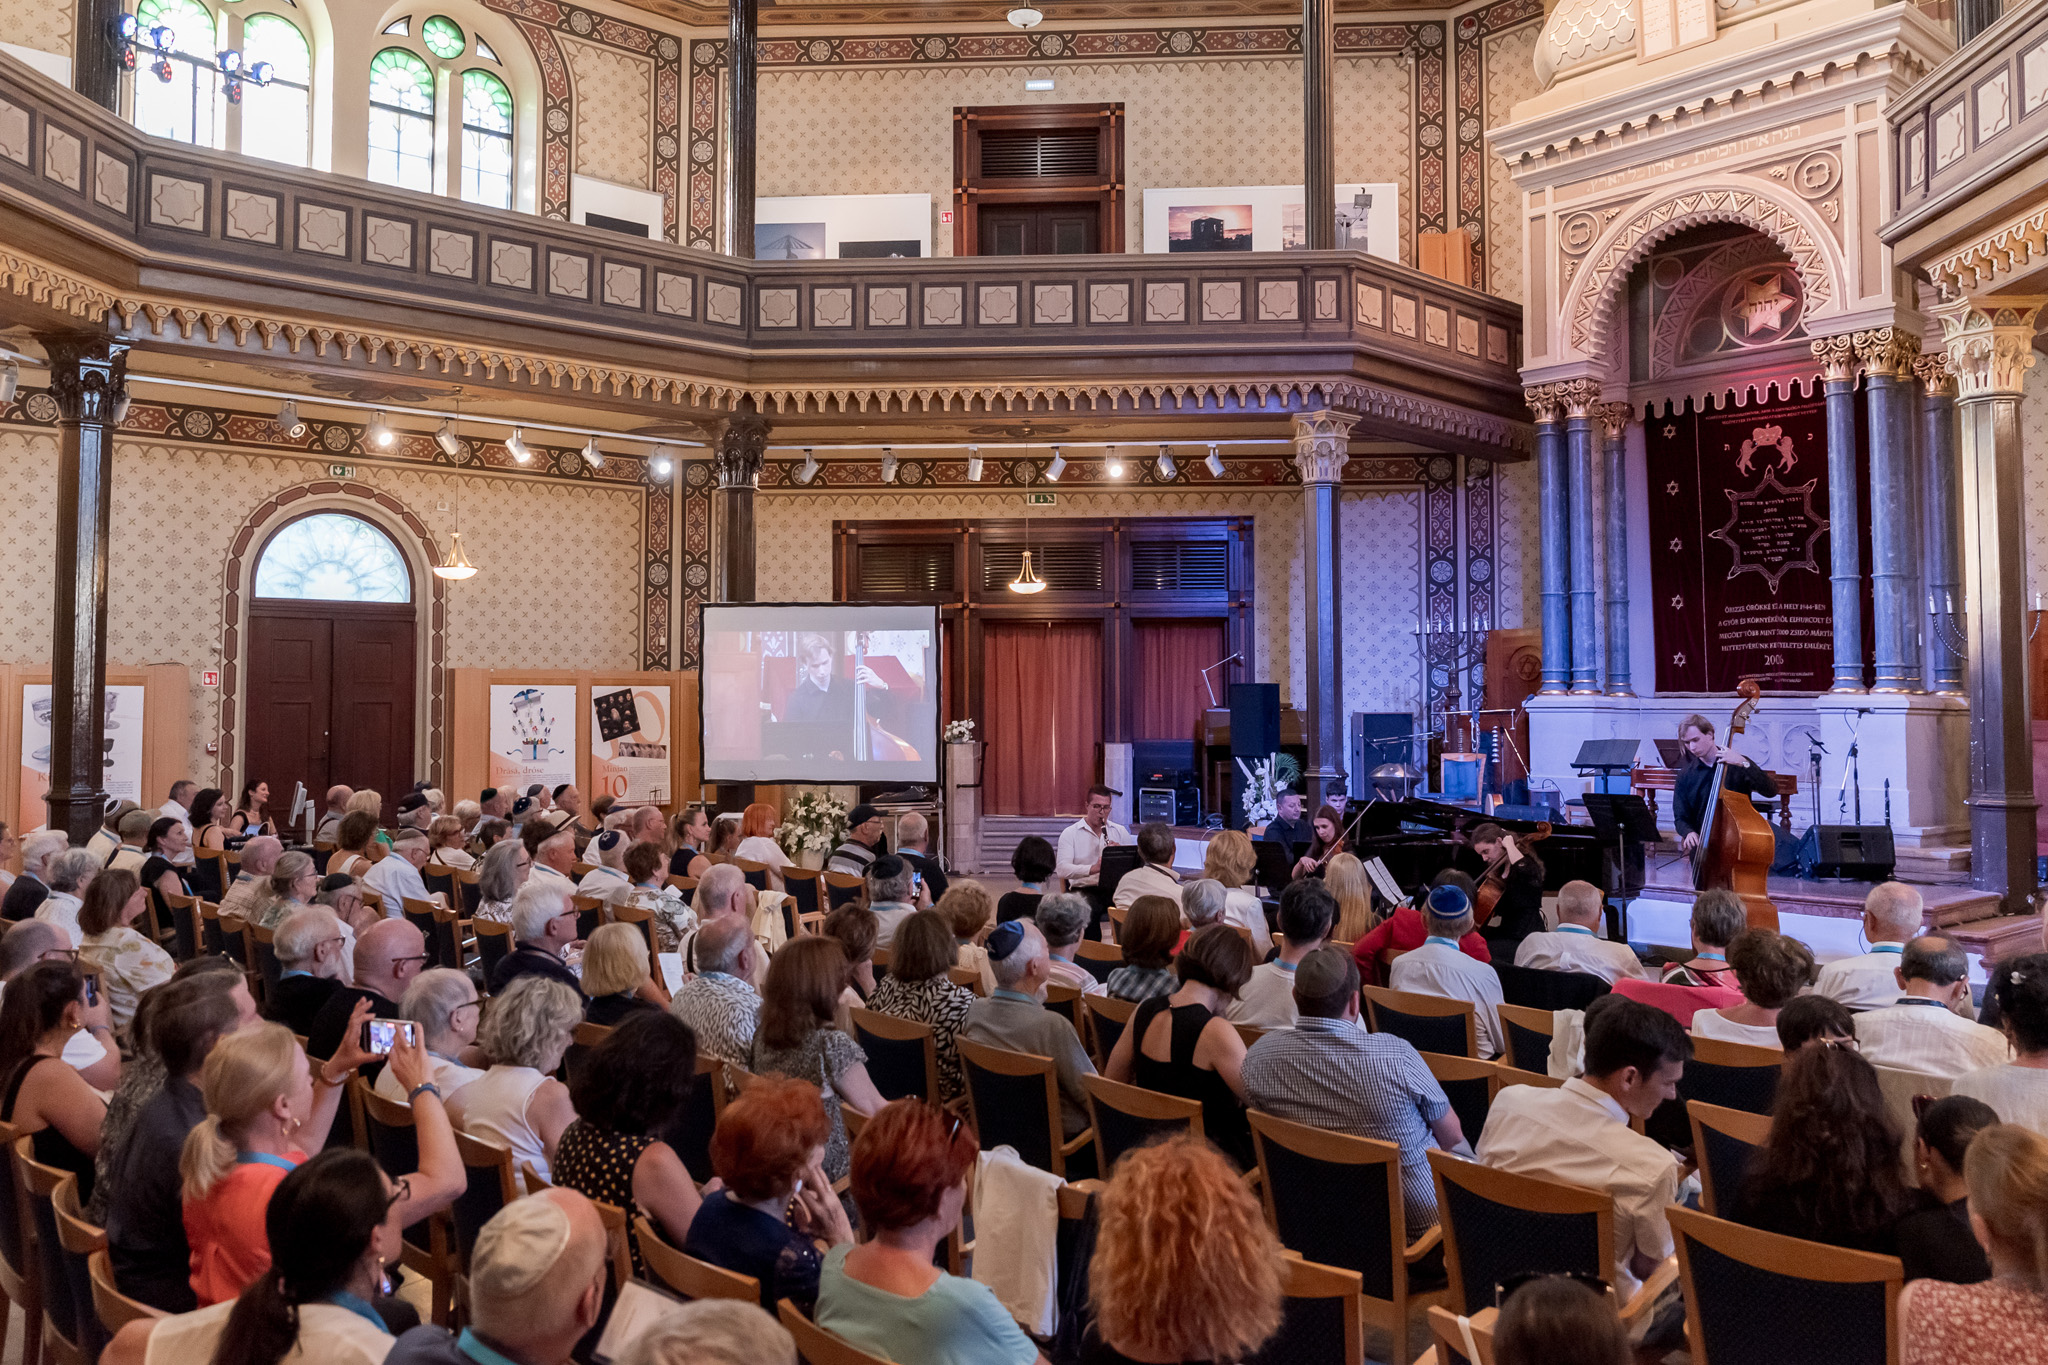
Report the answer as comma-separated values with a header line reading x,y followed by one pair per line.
x,y
863,841
415,811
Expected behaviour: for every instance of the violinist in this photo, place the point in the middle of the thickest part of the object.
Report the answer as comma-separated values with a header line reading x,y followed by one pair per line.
x,y
1695,784
1507,864
1327,841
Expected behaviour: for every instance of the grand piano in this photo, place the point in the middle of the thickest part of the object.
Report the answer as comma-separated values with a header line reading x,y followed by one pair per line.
x,y
1413,839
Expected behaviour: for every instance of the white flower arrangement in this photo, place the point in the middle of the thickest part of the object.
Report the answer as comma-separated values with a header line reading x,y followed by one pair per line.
x,y
811,820
1262,788
959,732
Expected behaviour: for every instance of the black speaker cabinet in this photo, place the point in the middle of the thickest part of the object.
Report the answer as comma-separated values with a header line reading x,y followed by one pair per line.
x,y
1254,719
1861,853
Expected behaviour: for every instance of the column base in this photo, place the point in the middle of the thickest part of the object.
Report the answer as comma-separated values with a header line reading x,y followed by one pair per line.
x,y
2002,844
1621,692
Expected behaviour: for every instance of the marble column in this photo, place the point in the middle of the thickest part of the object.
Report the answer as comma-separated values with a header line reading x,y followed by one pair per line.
x,y
1319,171
89,381
1322,445
1614,419
1838,373
1554,518
1941,535
737,456
1886,354
742,78
1990,349
1581,397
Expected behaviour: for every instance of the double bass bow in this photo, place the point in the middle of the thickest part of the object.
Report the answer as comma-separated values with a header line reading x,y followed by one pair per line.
x,y
1736,846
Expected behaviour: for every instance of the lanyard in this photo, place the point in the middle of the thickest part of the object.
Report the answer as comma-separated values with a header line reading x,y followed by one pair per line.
x,y
266,1159
1713,956
1899,948
1450,943
341,1298
1574,929
471,1345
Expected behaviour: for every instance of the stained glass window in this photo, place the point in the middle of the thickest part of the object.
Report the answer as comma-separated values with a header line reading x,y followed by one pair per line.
x,y
401,120
483,49
333,557
486,140
186,107
399,28
443,37
277,119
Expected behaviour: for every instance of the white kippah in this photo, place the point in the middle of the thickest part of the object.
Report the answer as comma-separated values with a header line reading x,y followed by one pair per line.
x,y
518,1248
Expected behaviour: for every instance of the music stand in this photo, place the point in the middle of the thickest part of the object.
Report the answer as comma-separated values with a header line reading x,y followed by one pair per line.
x,y
1620,821
1605,759
1273,865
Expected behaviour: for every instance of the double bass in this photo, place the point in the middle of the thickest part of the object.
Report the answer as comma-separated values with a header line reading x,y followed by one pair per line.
x,y
1736,846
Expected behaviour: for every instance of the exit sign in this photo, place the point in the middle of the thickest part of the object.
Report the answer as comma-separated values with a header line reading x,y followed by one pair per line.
x,y
341,471
1040,499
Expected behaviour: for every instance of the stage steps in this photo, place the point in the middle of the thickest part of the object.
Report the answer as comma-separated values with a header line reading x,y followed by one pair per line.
x,y
1948,906
1000,835
1934,864
1999,938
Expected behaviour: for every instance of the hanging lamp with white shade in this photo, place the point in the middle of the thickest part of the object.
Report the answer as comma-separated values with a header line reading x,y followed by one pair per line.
x,y
455,564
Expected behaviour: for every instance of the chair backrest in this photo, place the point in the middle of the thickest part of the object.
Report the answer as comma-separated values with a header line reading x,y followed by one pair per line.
x,y
447,936
1065,1001
618,1240
586,1037
968,977
816,1346
1469,1084
1722,1141
1544,989
1732,1075
1753,1297
1335,1199
802,885
688,1276
903,1057
38,1185
77,1240
1899,1089
1126,1116
469,881
372,900
1505,1076
1528,1036
691,1132
1322,1317
116,1310
1117,861
439,877
183,912
263,947
1431,1023
491,1186
210,875
1498,1225
17,1254
234,941
209,929
384,1128
1448,1330
633,914
1015,1101
1098,959
493,943
755,873
1107,1018
840,888
589,914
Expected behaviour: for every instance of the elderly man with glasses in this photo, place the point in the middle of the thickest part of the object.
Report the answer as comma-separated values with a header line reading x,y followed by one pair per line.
x,y
544,929
312,947
388,956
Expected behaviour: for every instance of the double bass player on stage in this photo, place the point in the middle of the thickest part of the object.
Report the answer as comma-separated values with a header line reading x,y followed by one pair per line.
x,y
1694,787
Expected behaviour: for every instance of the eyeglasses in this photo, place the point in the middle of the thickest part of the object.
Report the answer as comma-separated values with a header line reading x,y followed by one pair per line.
x,y
56,954
1505,1289
466,1005
398,962
401,1188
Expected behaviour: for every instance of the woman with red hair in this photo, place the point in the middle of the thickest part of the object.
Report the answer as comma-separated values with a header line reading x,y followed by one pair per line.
x,y
769,1149
757,841
910,1168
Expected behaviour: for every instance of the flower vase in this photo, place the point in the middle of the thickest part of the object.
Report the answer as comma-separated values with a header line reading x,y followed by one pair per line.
x,y
813,858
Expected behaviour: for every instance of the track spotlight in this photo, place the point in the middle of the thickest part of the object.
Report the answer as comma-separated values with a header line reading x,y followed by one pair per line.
x,y
1214,463
888,465
1057,467
662,464
289,423
1166,466
810,469
445,437
516,447
379,432
1113,464
10,381
974,464
118,413
592,456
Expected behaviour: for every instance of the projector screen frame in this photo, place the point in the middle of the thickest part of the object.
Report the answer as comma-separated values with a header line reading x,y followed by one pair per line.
x,y
935,685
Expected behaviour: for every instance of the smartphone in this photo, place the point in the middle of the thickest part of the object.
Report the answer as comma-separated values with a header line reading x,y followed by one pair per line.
x,y
380,1034
92,992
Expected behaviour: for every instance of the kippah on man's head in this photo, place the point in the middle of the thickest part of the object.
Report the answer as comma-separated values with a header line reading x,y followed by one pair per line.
x,y
1004,939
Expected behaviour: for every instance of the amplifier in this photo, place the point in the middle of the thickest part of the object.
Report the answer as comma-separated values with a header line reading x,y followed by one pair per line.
x,y
1176,805
1861,853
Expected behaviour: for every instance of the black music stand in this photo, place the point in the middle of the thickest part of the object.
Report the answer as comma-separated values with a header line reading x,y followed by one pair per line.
x,y
1273,864
1625,823
1606,759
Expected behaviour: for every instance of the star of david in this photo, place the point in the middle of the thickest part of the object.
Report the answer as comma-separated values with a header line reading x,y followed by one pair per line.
x,y
1763,303
1672,488
1670,430
1761,548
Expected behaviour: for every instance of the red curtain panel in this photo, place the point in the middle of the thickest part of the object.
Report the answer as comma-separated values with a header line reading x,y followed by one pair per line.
x,y
1171,655
1042,705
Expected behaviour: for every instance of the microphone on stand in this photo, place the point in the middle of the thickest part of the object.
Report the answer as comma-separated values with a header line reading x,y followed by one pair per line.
x,y
1235,658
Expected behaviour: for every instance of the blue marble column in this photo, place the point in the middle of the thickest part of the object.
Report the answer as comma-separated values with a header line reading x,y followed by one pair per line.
x,y
1614,431
1941,555
1887,355
1581,395
1322,446
1838,371
1553,514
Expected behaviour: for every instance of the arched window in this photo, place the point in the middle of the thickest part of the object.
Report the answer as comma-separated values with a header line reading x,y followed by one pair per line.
x,y
486,140
333,557
185,108
277,119
401,120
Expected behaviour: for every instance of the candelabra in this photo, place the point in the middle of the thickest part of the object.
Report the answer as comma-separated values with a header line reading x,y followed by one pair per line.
x,y
1459,643
1951,627
531,732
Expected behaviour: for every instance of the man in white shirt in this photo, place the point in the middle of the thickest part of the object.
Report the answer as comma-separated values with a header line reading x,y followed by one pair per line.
x,y
891,887
1575,945
554,858
1580,1134
134,833
70,872
1156,876
1440,967
179,808
1891,915
1307,913
259,859
1921,1031
396,877
1081,843
107,837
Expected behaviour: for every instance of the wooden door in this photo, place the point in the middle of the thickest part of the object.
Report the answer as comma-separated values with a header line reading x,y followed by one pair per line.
x,y
332,687
290,690
1040,229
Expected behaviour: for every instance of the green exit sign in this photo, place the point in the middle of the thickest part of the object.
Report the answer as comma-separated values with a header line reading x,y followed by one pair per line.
x,y
341,471
1040,499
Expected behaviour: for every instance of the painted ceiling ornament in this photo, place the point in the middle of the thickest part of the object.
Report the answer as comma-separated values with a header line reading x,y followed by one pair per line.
x,y
1772,529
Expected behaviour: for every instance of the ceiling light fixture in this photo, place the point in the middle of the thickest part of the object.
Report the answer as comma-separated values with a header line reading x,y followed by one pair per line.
x,y
1167,468
974,464
1215,463
288,420
379,432
10,382
888,465
445,437
1057,467
810,469
1039,83
662,464
592,456
1113,464
1025,16
118,413
517,448
1027,580
455,564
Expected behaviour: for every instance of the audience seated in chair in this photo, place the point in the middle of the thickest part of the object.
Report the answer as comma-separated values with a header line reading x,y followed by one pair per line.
x,y
2005,1318
713,1332
796,1036
1180,1044
918,990
442,1001
314,953
1440,966
517,1103
32,887
1718,917
1935,1241
54,1105
1307,912
718,1003
618,976
1810,1019
252,878
543,927
1892,913
1575,945
1155,875
971,912
1921,1030
126,960
92,1050
1772,969
1404,930
1150,932
1552,1318
1014,1016
2018,1089
1032,864
71,873
892,895
388,956
1063,919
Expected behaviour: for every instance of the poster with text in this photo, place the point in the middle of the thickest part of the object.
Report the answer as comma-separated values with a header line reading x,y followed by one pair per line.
x,y
533,735
630,735
121,771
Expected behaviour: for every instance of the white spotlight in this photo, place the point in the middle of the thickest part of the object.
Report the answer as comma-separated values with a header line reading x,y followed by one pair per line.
x,y
1167,468
516,447
10,380
379,432
1057,467
1025,16
592,456
1113,464
288,420
974,464
888,465
1215,463
118,414
810,469
445,437
661,465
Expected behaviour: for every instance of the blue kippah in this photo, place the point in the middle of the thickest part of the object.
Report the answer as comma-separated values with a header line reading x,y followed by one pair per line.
x,y
610,840
1004,938
1448,902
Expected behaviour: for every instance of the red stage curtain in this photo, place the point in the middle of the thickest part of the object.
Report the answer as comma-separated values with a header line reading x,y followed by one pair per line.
x,y
1042,703
1170,657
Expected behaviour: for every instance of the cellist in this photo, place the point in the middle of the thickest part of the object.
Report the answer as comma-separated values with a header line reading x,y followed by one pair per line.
x,y
1695,784
1508,866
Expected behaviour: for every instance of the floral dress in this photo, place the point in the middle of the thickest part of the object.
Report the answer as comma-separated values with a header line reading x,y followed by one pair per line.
x,y
938,1002
128,964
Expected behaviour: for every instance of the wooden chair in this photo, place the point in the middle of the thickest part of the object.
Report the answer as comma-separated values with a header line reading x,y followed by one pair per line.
x,y
579,869
235,944
1469,1084
1722,1141
841,889
589,914
1731,1075
323,849
903,1057
683,884
1469,1344
1322,1318
1107,1018
78,1241
755,873
116,1310
1753,1297
469,883
184,916
65,1309
1432,1023
209,930
20,1272
816,1346
1098,959
633,914
1249,1033
384,1129
688,1276
493,944
618,1241
420,915
1336,1200
691,1136
1014,1098
215,872
372,900
586,1037
1125,1116
968,977
1065,1001
446,940
269,971
1505,1076
491,1186
802,885
1528,1036
439,877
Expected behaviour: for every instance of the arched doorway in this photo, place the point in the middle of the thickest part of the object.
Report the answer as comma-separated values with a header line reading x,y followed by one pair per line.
x,y
332,674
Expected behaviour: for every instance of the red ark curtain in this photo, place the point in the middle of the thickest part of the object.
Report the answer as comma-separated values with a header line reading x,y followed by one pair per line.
x,y
1171,655
1042,704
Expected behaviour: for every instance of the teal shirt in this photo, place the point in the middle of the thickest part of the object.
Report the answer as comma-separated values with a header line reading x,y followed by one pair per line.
x,y
955,1322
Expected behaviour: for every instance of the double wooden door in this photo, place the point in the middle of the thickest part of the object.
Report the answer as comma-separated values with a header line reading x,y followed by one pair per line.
x,y
1040,229
331,689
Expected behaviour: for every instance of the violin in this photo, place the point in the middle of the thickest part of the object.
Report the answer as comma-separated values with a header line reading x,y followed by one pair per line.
x,y
1492,882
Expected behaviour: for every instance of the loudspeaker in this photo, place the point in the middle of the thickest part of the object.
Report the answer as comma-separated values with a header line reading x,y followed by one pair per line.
x,y
1155,804
1254,719
1861,853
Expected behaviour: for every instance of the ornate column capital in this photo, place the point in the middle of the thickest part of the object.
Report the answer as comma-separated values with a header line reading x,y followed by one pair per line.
x,y
738,450
1934,373
1837,357
1613,418
1990,344
1580,397
1886,351
88,376
1322,445
1544,400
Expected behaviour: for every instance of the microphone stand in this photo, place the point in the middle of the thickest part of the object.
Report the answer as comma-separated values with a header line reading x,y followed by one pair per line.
x,y
1235,658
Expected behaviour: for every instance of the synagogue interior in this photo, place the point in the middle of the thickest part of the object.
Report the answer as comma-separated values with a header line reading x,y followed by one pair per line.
x,y
597,785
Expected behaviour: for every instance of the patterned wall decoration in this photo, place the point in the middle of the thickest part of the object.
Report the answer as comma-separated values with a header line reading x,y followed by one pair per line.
x,y
540,21
707,60
696,480
45,25
1441,609
1382,591
1481,554
1484,97
614,111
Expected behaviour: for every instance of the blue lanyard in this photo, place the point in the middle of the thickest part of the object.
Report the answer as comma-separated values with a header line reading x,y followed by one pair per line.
x,y
1450,943
471,1345
1899,948
341,1298
1574,929
267,1159
1712,956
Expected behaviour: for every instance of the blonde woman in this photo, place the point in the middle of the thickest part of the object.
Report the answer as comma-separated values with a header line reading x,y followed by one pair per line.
x,y
1229,859
971,911
518,1103
1344,877
371,803
127,962
294,881
445,841
616,975
266,1107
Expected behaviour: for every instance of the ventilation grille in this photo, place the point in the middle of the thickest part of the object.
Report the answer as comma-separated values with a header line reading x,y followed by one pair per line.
x,y
1180,566
1020,154
906,570
1065,568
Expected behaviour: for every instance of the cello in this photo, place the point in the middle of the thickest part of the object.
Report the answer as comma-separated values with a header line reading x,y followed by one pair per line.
x,y
1736,846
1491,883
